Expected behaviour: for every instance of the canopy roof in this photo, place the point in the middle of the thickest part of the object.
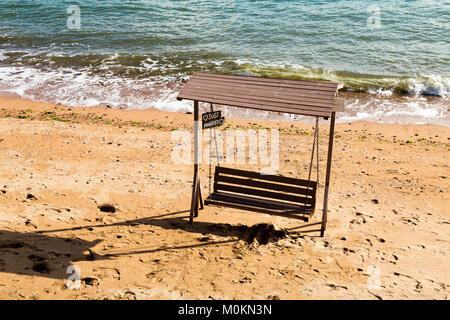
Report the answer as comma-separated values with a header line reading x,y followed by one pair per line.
x,y
311,98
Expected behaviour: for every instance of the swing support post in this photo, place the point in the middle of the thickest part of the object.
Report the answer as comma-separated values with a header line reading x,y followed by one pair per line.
x,y
327,178
196,200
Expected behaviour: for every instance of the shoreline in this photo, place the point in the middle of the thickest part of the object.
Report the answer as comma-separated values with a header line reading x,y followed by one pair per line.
x,y
96,188
380,106
13,105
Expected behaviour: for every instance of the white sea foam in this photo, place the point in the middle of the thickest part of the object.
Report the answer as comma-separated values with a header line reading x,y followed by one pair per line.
x,y
429,84
412,110
381,92
420,84
75,88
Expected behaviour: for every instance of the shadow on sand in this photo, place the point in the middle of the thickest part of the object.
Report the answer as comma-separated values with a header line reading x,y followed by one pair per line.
x,y
40,253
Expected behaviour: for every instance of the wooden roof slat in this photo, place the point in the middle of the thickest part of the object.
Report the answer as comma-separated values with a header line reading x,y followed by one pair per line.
x,y
269,84
259,79
263,89
267,94
314,111
235,99
258,99
239,102
314,98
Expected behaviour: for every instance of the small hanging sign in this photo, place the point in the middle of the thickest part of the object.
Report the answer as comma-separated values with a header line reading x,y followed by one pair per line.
x,y
212,119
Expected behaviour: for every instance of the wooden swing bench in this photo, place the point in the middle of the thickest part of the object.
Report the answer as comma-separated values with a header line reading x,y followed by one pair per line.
x,y
253,191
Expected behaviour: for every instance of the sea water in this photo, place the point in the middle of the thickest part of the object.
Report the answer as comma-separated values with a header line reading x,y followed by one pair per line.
x,y
392,56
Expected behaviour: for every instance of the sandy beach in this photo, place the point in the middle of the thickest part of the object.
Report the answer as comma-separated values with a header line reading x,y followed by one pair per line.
x,y
96,188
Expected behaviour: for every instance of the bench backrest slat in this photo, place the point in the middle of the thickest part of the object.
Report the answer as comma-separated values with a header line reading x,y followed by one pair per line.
x,y
266,177
265,186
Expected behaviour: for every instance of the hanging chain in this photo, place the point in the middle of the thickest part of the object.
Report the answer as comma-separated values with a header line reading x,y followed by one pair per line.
x,y
215,141
315,142
210,162
317,149
210,146
217,149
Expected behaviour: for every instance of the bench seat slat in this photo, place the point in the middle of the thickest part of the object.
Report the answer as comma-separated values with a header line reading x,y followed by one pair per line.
x,y
259,203
273,178
264,193
304,216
